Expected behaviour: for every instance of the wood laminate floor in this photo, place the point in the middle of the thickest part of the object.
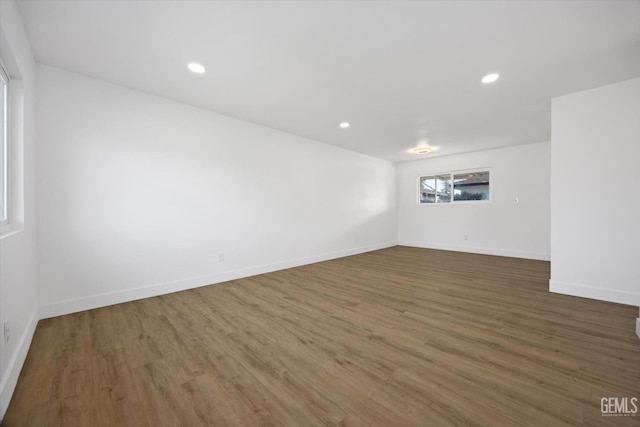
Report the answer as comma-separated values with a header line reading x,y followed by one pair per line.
x,y
396,337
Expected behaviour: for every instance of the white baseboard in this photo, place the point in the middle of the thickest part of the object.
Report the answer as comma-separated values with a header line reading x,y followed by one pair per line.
x,y
10,379
541,256
103,300
610,295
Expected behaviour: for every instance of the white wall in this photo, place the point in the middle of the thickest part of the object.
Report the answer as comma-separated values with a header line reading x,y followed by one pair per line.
x,y
595,204
18,247
498,227
139,195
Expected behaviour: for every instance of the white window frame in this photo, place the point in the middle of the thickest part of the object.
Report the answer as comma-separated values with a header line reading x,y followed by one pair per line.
x,y
6,209
14,158
451,174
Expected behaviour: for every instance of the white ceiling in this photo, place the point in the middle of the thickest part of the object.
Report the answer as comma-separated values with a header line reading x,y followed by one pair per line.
x,y
399,71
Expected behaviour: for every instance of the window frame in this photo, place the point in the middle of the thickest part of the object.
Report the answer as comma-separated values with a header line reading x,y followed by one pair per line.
x,y
5,218
451,175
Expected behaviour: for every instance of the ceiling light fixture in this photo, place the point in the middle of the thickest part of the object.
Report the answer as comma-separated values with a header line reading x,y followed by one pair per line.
x,y
490,78
344,125
422,150
196,68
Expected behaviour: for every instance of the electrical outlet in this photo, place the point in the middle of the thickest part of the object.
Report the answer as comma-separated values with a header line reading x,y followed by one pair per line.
x,y
466,237
221,257
516,200
7,331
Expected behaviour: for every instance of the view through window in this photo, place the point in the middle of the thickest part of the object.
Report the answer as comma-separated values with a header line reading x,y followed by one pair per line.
x,y
454,187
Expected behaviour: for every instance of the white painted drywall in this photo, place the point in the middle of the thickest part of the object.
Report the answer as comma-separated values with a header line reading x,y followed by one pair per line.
x,y
497,227
595,206
139,195
18,248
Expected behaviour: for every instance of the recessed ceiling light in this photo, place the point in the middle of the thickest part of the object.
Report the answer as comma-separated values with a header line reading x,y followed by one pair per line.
x,y
196,68
490,78
344,125
422,150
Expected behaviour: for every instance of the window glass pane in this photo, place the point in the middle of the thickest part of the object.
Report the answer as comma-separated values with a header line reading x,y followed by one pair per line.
x,y
443,188
427,189
471,186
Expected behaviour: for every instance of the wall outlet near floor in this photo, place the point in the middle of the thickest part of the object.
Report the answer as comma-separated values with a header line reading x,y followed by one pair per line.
x,y
7,331
465,237
221,257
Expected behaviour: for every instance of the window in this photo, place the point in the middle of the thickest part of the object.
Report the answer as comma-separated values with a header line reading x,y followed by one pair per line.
x,y
435,189
4,104
454,187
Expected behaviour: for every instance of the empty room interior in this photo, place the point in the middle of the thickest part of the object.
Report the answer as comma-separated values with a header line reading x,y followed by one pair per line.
x,y
337,213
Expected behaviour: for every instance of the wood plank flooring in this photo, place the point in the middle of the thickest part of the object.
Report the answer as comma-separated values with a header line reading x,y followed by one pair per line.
x,y
396,337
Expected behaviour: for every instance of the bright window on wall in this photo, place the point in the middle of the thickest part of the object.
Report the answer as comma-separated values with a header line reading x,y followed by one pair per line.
x,y
452,187
4,96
